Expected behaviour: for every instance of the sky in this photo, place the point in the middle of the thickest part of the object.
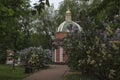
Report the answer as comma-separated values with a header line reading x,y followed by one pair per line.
x,y
55,2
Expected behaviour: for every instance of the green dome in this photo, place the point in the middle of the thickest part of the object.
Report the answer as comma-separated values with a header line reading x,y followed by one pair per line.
x,y
66,26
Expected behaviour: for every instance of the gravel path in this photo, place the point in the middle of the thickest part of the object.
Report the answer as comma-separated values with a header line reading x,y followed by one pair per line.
x,y
54,72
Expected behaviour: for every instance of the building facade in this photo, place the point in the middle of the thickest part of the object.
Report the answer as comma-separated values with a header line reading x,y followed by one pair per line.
x,y
10,59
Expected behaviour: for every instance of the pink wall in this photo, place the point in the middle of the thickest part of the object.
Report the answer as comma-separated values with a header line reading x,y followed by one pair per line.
x,y
60,35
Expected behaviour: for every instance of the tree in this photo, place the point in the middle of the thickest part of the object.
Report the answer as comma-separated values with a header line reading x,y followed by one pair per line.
x,y
10,12
15,34
44,27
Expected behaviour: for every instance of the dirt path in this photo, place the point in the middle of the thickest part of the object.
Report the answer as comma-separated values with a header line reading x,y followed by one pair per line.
x,y
54,72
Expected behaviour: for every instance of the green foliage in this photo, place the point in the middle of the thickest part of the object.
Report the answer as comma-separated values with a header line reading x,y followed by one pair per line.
x,y
111,7
41,6
36,57
93,56
44,26
96,50
47,2
2,57
78,77
9,26
6,73
15,20
40,39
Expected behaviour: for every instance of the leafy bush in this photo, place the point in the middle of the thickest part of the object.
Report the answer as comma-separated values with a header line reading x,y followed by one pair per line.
x,y
95,53
36,57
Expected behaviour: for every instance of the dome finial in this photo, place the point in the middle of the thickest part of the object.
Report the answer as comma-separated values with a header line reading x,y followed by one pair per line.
x,y
68,10
68,14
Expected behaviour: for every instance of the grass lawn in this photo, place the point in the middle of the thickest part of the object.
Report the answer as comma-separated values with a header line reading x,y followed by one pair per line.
x,y
78,77
6,73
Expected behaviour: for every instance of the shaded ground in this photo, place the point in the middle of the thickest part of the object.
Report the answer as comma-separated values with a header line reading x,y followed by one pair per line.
x,y
54,72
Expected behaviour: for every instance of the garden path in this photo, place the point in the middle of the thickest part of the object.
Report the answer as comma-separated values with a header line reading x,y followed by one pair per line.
x,y
54,72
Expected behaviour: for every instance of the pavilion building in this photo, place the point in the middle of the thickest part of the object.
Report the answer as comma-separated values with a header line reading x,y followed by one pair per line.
x,y
59,54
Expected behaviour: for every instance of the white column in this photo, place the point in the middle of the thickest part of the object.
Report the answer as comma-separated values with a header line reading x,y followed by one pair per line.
x,y
55,55
61,54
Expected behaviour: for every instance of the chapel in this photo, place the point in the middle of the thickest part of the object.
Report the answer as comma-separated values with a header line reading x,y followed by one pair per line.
x,y
59,54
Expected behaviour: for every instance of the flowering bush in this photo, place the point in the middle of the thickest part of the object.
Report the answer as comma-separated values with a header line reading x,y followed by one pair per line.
x,y
95,53
35,56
